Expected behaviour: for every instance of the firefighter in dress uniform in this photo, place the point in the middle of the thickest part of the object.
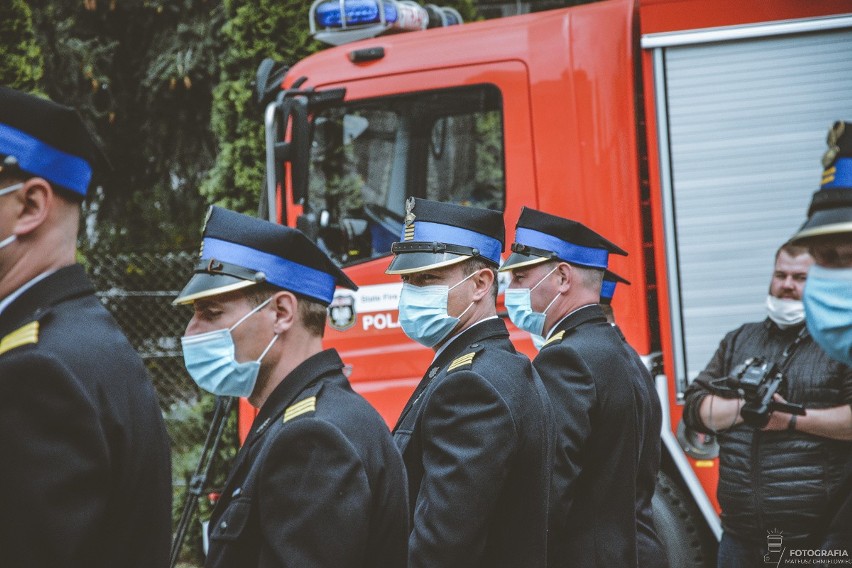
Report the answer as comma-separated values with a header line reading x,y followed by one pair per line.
x,y
476,433
607,413
610,281
85,455
828,294
318,481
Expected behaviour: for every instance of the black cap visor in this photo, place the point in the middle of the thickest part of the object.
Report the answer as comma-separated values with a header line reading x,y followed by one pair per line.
x,y
409,262
204,285
825,223
415,256
521,260
213,277
523,255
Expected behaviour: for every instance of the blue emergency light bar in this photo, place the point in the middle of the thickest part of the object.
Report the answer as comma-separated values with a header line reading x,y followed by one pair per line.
x,y
354,13
343,21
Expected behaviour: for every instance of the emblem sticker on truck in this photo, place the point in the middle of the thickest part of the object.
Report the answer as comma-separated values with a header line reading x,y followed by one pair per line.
x,y
377,303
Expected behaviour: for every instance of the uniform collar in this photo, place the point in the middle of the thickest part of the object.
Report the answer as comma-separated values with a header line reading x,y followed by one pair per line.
x,y
64,284
453,338
14,295
590,313
483,329
489,328
323,363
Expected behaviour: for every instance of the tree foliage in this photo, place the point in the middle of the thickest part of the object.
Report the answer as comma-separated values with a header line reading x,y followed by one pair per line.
x,y
141,72
21,63
255,29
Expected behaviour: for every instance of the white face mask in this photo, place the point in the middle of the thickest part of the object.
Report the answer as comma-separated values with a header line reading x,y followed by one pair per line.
x,y
6,190
785,313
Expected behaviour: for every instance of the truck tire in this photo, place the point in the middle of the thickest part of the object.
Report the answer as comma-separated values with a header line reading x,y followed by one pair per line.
x,y
680,527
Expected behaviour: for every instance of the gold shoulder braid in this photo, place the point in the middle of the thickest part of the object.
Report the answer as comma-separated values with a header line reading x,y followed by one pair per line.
x,y
24,335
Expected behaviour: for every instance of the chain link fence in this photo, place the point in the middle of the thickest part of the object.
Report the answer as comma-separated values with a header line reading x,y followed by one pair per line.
x,y
138,288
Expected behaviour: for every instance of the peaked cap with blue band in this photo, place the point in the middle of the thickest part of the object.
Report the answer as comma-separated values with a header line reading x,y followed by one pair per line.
x,y
540,237
439,234
44,139
238,251
830,213
610,281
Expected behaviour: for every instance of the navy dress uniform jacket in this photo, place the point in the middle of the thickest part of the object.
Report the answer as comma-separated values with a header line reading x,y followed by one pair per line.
x,y
85,458
607,455
476,437
317,483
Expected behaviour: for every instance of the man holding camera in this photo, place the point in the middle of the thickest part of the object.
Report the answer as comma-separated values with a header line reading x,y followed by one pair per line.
x,y
776,477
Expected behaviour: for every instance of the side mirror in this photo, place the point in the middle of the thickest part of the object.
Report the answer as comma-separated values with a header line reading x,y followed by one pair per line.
x,y
309,225
283,114
267,82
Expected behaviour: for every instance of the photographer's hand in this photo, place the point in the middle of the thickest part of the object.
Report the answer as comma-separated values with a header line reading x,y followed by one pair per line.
x,y
778,420
720,414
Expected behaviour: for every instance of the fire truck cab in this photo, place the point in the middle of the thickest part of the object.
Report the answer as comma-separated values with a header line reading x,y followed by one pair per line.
x,y
686,131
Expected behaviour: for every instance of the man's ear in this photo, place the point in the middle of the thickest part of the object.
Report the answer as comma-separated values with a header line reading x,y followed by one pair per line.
x,y
35,200
566,277
286,307
483,280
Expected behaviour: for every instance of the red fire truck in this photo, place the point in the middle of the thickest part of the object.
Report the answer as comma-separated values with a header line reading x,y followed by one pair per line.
x,y
688,132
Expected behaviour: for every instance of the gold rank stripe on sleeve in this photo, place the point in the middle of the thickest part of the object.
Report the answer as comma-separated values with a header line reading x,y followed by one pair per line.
x,y
21,336
465,359
555,338
301,407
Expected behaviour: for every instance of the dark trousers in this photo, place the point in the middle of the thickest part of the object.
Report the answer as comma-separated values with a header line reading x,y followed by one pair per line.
x,y
736,553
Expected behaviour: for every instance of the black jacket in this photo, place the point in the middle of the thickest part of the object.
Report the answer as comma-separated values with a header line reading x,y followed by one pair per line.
x,y
85,456
476,438
318,482
608,421
776,480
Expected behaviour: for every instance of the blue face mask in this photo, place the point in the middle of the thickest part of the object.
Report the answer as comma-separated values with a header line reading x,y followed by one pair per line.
x,y
423,312
828,310
209,359
519,305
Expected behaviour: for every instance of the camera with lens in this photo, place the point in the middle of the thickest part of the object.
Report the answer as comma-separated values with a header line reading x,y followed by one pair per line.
x,y
757,380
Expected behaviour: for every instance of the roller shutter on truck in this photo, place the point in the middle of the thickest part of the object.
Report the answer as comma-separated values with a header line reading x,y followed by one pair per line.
x,y
742,119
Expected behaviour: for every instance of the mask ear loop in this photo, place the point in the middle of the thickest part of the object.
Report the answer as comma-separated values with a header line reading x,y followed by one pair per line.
x,y
453,286
268,347
13,237
539,283
543,278
245,317
11,188
460,281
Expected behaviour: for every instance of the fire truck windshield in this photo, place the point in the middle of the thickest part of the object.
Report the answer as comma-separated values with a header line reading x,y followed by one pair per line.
x,y
368,156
